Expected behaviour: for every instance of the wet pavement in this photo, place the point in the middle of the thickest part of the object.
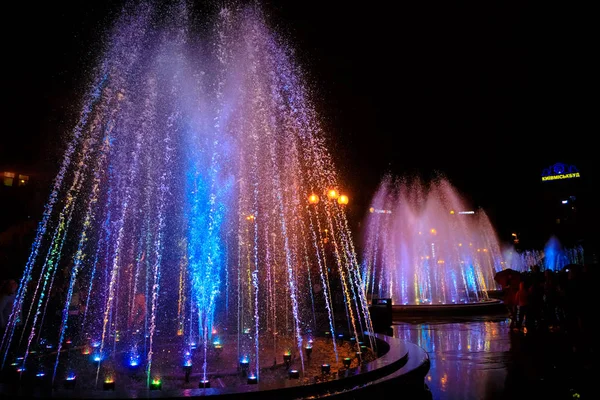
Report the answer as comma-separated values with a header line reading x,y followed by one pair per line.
x,y
483,358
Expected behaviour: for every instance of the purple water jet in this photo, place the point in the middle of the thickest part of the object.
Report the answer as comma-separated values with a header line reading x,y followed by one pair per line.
x,y
180,213
424,244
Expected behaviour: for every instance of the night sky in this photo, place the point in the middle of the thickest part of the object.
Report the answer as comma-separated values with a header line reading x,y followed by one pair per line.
x,y
486,93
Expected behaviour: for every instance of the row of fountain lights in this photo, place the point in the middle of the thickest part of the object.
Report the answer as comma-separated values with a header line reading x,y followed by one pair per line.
x,y
156,383
244,364
294,373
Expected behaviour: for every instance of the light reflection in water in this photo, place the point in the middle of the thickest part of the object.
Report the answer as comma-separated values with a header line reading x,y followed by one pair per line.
x,y
467,358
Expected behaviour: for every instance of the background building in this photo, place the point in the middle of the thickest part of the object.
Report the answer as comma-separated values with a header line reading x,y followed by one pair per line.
x,y
22,195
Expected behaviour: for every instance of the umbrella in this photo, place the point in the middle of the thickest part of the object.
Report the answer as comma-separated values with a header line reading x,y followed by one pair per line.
x,y
508,277
575,267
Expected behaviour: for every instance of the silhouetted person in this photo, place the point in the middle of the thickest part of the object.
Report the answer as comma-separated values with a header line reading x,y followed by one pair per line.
x,y
551,314
138,315
574,303
510,292
522,300
76,311
8,292
536,298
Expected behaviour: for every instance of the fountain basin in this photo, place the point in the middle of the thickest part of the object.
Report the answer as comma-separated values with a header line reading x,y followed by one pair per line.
x,y
395,360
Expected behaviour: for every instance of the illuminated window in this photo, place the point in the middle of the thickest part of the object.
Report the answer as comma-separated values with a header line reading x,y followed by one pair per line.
x,y
23,180
9,177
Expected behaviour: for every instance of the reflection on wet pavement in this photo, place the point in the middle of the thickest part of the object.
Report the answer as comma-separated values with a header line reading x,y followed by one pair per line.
x,y
481,358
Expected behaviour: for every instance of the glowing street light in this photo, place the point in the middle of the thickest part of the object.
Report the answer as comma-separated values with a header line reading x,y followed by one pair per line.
x,y
342,199
332,194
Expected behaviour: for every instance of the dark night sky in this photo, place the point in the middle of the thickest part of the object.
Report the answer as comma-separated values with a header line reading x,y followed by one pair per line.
x,y
487,93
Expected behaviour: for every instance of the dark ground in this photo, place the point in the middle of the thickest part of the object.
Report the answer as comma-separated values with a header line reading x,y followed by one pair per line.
x,y
481,357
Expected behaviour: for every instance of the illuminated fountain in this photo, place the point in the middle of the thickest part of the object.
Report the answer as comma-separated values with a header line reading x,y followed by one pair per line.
x,y
424,245
553,257
189,233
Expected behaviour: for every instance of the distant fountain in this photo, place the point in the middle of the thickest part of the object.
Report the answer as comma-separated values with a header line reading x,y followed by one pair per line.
x,y
424,245
553,257
556,257
178,234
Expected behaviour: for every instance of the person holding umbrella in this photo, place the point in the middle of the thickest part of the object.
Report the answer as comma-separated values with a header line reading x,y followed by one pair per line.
x,y
509,280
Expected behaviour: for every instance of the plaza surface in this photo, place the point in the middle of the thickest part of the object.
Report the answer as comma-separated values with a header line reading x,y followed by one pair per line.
x,y
481,357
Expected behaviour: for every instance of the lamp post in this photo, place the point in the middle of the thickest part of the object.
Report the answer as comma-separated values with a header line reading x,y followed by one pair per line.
x,y
342,200
332,194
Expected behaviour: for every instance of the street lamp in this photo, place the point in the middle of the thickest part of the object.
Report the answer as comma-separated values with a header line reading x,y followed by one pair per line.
x,y
332,194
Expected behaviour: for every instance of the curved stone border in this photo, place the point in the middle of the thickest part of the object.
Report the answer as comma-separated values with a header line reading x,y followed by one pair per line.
x,y
396,359
412,310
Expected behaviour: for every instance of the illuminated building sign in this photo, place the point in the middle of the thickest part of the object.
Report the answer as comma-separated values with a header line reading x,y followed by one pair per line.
x,y
379,211
560,171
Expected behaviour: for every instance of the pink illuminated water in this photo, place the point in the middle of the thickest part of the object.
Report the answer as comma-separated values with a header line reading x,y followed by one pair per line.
x,y
424,244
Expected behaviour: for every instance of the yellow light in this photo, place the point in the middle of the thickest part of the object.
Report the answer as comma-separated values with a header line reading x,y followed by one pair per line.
x,y
250,217
179,332
371,209
109,380
514,234
451,211
332,194
313,199
563,176
343,199
433,231
460,245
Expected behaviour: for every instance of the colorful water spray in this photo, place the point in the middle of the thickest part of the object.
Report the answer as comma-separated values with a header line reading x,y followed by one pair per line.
x,y
180,222
554,256
423,244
